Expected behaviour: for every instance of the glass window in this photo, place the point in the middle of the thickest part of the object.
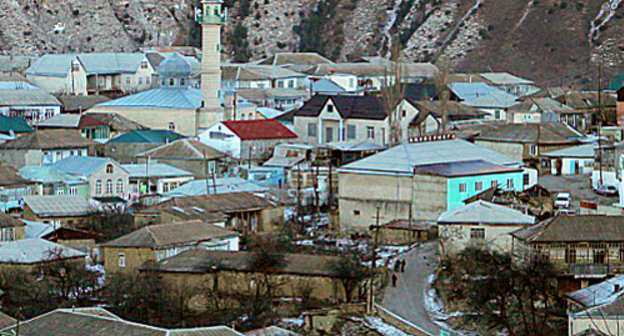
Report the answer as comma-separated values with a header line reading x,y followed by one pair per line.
x,y
181,81
477,234
172,126
171,82
350,132
109,186
109,169
370,132
494,184
330,108
312,129
478,186
98,187
120,187
462,187
73,190
128,80
122,260
510,183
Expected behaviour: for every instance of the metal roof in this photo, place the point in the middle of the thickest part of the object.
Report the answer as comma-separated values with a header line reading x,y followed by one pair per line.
x,y
183,149
147,136
468,91
269,113
15,124
224,185
27,98
62,120
485,212
175,66
94,63
154,170
81,165
36,229
492,100
463,168
505,78
57,205
403,158
599,293
353,146
325,86
170,97
35,250
47,174
581,151
17,85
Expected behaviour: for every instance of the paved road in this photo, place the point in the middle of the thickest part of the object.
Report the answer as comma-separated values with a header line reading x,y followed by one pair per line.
x,y
407,299
578,186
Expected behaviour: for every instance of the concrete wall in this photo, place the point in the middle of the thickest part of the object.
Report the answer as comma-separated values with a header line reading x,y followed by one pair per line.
x,y
134,258
586,166
456,237
456,198
511,150
609,325
381,130
182,120
101,175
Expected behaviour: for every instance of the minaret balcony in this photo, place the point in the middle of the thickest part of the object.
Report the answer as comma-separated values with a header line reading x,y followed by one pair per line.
x,y
210,19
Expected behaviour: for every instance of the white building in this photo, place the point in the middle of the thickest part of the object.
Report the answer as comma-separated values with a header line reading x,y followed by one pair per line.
x,y
572,160
599,308
33,105
154,177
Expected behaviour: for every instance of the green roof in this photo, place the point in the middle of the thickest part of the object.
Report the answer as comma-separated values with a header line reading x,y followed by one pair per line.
x,y
147,136
15,124
617,83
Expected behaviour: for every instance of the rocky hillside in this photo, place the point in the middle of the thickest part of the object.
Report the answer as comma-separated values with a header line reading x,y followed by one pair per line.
x,y
553,41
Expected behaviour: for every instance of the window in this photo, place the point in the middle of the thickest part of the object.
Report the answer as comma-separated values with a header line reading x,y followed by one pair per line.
x,y
462,188
403,113
98,187
109,168
356,212
533,150
370,132
291,83
621,256
510,183
351,132
109,186
140,80
478,186
128,81
143,64
312,129
494,184
477,234
8,234
147,80
120,187
59,191
217,47
280,84
570,256
497,114
172,126
73,190
329,134
525,179
181,81
171,82
330,108
122,260
600,257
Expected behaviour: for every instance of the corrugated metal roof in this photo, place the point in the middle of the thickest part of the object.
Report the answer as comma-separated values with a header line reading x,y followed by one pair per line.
x,y
173,98
81,165
34,250
36,229
463,168
15,124
599,293
175,66
564,228
259,129
17,85
353,146
492,100
468,91
324,86
49,139
94,63
154,169
27,98
62,120
147,136
404,157
223,185
486,213
57,205
505,78
47,174
582,151
183,149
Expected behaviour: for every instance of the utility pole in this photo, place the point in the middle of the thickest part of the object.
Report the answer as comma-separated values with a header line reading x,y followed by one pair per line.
x,y
599,119
207,169
371,281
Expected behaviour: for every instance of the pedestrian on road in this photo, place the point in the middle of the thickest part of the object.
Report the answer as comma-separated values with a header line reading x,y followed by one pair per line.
x,y
397,265
395,279
403,264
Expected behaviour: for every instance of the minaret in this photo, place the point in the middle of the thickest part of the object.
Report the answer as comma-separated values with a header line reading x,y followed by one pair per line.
x,y
211,18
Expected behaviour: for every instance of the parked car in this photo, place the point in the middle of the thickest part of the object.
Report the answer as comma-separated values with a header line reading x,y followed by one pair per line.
x,y
607,190
562,200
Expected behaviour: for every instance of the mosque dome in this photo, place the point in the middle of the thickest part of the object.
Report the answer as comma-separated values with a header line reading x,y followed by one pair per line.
x,y
175,66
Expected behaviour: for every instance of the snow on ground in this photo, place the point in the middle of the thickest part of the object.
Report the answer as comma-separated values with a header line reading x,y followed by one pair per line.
x,y
375,323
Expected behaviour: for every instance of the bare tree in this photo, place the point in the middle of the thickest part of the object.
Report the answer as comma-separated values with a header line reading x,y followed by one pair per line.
x,y
351,273
443,94
67,278
393,91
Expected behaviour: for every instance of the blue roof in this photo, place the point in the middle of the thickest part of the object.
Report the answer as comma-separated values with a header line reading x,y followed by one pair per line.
x,y
155,170
175,66
17,85
80,165
173,98
492,100
15,124
147,136
47,174
269,113
36,229
224,185
94,63
327,86
469,91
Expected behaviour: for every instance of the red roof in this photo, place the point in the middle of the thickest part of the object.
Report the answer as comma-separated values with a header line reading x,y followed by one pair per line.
x,y
259,129
88,121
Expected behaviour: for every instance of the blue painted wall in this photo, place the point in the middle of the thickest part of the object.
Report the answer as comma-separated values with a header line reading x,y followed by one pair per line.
x,y
455,198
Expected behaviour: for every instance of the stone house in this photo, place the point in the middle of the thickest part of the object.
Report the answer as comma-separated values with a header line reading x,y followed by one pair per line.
x,y
417,118
50,181
158,242
58,210
90,128
32,105
92,73
573,160
584,249
325,119
154,178
253,76
421,180
125,147
106,177
247,139
480,224
11,228
401,232
301,275
45,147
31,253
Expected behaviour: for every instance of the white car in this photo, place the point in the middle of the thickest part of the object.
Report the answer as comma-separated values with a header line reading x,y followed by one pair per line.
x,y
562,200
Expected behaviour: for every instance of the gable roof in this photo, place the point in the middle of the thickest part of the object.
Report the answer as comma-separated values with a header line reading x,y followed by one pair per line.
x,y
167,98
9,177
574,229
99,322
116,121
81,165
147,136
453,110
224,203
463,168
581,151
175,234
27,98
47,174
485,212
492,100
259,129
10,221
70,121
295,58
469,91
505,78
57,205
154,169
35,250
15,124
93,63
542,105
327,86
49,139
77,104
548,133
598,294
183,149
356,107
222,185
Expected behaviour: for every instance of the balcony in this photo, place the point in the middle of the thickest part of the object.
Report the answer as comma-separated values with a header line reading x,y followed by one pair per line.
x,y
210,19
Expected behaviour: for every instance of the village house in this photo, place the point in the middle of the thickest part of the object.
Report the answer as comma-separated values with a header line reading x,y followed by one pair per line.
x,y
545,109
117,124
592,104
189,155
50,181
573,160
154,178
418,118
13,127
284,99
13,187
11,228
528,142
619,105
72,104
45,147
126,147
253,76
216,186
286,59
421,179
244,212
247,139
92,73
584,248
510,83
599,308
489,99
325,119
301,275
57,210
403,232
90,128
97,321
73,238
31,253
33,105
106,177
480,224
158,242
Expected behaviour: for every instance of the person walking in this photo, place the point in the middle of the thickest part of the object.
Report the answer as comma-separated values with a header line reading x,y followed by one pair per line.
x,y
397,265
403,264
395,279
